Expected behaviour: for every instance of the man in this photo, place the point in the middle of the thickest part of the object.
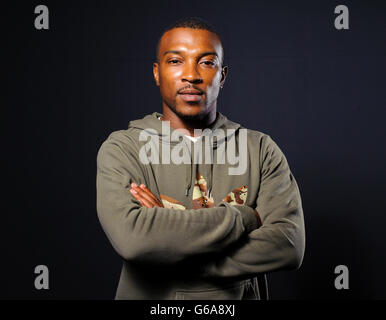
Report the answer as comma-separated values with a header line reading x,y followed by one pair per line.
x,y
188,225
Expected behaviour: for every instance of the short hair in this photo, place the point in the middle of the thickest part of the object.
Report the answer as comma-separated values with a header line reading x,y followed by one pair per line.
x,y
193,23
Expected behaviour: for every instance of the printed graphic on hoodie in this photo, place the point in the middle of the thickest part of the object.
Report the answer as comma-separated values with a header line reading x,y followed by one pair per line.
x,y
237,196
201,198
171,203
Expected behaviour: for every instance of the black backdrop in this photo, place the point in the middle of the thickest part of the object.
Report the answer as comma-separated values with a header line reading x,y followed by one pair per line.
x,y
318,91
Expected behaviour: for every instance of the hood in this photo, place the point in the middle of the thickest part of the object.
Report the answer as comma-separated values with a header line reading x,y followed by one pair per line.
x,y
152,122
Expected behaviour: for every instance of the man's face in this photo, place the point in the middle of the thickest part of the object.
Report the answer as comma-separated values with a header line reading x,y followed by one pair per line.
x,y
189,72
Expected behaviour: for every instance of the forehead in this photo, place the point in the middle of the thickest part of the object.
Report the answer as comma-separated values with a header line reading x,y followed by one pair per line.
x,y
192,41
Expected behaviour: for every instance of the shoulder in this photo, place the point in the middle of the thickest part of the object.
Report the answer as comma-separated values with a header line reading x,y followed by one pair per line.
x,y
256,137
123,137
263,144
120,144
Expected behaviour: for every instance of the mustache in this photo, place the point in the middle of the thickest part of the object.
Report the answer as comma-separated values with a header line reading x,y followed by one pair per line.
x,y
190,87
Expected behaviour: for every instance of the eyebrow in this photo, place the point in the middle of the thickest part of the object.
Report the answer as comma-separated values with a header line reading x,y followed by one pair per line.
x,y
201,55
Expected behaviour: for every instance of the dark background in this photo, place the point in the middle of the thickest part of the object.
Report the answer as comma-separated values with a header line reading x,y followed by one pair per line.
x,y
317,91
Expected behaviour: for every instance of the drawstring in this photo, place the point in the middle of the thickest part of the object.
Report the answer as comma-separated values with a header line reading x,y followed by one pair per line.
x,y
188,179
210,179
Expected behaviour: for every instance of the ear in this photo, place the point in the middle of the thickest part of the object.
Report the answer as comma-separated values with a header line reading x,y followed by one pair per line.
x,y
224,73
156,73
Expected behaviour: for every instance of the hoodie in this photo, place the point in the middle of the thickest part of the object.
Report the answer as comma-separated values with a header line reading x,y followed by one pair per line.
x,y
220,231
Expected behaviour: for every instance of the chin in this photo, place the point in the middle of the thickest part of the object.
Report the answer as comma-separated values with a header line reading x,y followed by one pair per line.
x,y
190,111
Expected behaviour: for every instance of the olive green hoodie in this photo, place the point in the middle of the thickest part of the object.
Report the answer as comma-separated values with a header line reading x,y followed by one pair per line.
x,y
207,242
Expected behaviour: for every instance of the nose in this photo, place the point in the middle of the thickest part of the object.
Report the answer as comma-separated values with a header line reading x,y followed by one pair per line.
x,y
191,73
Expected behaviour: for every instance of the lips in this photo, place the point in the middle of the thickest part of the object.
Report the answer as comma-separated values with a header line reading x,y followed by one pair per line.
x,y
190,95
190,91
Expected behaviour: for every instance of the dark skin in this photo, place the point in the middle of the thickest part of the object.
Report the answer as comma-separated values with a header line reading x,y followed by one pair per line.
x,y
145,196
188,59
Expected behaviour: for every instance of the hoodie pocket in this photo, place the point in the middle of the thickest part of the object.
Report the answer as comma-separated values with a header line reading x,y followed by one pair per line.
x,y
240,291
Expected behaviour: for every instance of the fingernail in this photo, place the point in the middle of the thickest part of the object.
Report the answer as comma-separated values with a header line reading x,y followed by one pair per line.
x,y
142,186
133,191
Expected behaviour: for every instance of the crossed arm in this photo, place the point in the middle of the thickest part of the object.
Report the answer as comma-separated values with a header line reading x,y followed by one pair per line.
x,y
149,200
140,228
260,252
155,234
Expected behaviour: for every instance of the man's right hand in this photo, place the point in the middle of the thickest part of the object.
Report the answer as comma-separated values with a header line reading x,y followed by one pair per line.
x,y
145,196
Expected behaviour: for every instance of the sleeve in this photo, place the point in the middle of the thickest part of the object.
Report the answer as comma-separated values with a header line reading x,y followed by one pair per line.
x,y
157,234
279,243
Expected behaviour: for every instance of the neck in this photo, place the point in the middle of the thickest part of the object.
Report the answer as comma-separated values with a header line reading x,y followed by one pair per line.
x,y
177,122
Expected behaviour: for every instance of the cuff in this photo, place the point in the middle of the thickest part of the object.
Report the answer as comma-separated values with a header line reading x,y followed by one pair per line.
x,y
249,218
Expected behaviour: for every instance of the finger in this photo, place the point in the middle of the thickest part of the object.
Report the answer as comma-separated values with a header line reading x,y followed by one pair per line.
x,y
142,201
135,194
159,202
138,189
143,187
144,195
147,204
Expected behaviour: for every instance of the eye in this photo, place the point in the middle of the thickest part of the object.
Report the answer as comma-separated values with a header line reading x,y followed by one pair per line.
x,y
208,63
173,61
